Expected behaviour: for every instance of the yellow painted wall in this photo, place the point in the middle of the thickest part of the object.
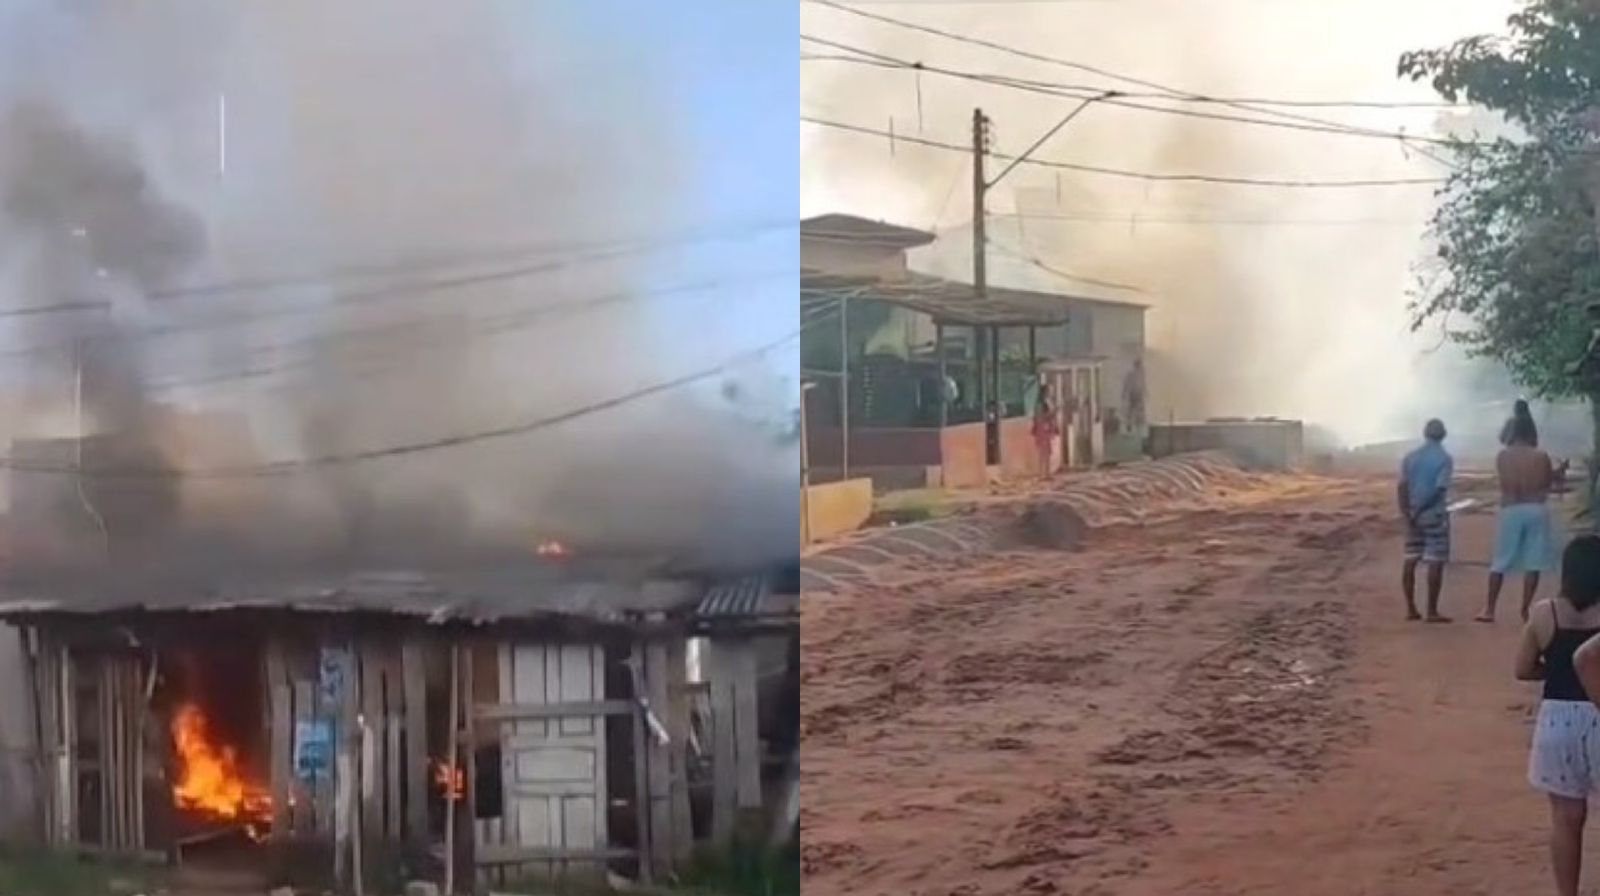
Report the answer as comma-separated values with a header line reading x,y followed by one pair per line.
x,y
835,508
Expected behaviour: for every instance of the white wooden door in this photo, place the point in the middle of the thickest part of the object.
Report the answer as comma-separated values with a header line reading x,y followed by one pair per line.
x,y
553,770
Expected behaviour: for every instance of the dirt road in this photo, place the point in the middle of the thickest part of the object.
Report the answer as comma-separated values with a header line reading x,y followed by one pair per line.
x,y
1226,702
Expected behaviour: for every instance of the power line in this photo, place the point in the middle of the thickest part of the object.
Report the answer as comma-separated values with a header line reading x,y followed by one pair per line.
x,y
281,468
1139,218
860,58
505,324
1139,175
385,292
1036,261
1281,120
460,258
1306,122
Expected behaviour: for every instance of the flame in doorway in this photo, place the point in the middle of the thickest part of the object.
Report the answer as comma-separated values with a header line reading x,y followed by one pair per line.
x,y
452,782
209,779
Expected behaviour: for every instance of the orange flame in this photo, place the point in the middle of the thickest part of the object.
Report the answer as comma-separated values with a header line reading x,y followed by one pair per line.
x,y
209,779
452,783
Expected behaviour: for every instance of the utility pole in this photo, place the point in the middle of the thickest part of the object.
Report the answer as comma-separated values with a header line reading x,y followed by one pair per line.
x,y
980,187
980,270
987,339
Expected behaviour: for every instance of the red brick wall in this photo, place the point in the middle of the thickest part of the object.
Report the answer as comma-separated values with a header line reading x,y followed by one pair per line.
x,y
875,447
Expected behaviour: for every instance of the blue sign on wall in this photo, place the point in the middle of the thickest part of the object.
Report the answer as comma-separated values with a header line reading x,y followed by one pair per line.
x,y
313,749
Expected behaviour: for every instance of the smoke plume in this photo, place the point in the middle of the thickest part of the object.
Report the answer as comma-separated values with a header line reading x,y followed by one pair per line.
x,y
332,246
1264,300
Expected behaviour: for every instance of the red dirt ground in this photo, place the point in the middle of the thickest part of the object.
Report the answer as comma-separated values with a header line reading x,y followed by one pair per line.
x,y
1225,702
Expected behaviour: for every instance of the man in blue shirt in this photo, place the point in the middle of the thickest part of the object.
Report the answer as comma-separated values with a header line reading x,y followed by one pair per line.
x,y
1422,494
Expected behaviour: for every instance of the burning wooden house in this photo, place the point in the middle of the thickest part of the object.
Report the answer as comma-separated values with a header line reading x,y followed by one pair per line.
x,y
536,717
498,725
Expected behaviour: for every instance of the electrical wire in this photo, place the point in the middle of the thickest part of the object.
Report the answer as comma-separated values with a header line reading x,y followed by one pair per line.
x,y
1285,183
1282,120
506,324
1036,261
376,294
1058,61
460,258
287,467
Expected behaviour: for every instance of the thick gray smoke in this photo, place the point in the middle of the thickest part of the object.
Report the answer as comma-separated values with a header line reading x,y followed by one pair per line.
x,y
335,230
1263,300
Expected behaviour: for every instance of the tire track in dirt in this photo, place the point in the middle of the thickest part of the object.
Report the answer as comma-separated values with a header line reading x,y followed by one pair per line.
x,y
1019,723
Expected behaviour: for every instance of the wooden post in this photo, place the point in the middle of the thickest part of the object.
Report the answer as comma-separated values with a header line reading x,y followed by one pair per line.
x,y
41,741
467,812
107,753
413,659
393,709
372,772
453,761
660,759
745,721
67,766
724,750
358,806
280,739
641,762
677,721
347,794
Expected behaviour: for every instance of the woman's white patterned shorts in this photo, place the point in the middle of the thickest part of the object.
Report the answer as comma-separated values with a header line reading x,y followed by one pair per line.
x,y
1565,759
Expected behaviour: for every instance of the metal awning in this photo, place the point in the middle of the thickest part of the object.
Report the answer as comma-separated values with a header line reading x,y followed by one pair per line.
x,y
946,301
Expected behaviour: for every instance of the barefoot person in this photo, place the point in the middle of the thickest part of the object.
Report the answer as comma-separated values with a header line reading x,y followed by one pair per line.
x,y
1421,493
1558,649
1523,540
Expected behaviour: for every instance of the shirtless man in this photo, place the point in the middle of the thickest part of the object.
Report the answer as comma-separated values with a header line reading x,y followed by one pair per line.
x,y
1523,539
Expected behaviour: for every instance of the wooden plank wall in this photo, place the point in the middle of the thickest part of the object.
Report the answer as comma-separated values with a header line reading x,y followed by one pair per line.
x,y
666,692
383,691
736,749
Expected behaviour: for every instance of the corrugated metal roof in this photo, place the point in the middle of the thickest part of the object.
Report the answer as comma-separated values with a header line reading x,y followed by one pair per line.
x,y
738,598
746,600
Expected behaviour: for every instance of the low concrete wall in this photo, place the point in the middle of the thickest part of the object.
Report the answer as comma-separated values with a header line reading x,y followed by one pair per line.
x,y
1255,444
963,456
836,508
1019,457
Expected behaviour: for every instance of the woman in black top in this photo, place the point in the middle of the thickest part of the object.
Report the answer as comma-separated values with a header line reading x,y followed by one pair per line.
x,y
1565,759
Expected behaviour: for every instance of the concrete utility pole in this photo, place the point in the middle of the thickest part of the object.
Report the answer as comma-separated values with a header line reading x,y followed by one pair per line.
x,y
987,339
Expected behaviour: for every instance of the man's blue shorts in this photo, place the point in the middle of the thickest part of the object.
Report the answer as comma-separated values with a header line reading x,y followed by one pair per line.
x,y
1524,540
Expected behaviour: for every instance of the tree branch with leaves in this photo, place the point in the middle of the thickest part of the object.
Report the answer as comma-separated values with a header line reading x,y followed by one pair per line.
x,y
1516,226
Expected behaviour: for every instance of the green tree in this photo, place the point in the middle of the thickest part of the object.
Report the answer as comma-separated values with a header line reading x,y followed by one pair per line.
x,y
1516,228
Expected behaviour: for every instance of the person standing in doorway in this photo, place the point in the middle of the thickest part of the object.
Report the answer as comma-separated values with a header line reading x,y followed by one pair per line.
x,y
1422,494
1046,426
1523,539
